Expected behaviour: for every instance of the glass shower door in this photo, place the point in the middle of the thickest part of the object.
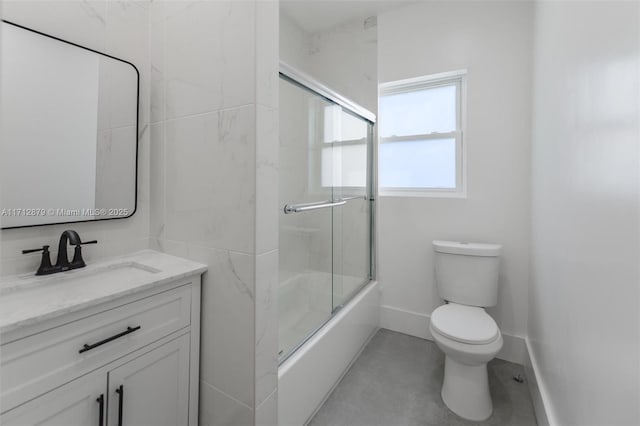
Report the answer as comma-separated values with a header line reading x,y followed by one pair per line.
x,y
306,257
325,224
352,221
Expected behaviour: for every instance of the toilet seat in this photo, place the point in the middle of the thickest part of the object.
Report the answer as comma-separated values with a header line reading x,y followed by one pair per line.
x,y
465,324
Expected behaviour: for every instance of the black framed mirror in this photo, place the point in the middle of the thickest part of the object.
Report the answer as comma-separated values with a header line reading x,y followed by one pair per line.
x,y
69,131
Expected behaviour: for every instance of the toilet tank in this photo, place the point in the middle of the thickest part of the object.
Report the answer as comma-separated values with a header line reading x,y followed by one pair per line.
x,y
467,273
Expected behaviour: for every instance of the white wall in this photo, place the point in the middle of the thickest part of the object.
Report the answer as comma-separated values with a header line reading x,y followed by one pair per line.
x,y
119,28
584,307
492,40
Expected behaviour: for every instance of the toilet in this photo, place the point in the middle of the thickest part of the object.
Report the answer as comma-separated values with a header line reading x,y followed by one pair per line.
x,y
467,280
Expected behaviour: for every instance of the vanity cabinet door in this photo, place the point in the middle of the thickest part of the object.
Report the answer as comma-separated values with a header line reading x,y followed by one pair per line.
x,y
81,402
153,389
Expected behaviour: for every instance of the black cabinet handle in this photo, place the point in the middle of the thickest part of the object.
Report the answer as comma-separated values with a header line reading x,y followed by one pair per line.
x,y
120,392
100,402
88,347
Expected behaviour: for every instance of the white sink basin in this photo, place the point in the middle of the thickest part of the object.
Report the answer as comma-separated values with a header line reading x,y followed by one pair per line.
x,y
29,299
105,275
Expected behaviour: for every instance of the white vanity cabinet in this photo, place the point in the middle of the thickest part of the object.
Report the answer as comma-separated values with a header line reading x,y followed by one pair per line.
x,y
128,361
76,403
152,389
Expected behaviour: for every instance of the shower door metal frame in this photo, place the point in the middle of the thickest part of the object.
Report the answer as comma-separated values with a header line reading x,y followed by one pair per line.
x,y
302,79
306,82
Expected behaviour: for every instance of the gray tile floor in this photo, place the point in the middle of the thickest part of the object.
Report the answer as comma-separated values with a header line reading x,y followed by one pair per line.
x,y
397,380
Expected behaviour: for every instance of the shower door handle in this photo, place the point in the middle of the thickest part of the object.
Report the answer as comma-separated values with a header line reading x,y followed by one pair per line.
x,y
299,208
356,197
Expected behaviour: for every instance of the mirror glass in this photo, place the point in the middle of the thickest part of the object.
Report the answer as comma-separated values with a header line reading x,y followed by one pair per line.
x,y
68,131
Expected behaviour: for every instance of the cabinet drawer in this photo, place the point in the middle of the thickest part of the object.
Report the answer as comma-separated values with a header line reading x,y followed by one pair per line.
x,y
38,363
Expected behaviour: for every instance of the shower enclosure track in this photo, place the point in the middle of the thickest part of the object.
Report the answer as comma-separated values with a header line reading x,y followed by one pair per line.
x,y
300,78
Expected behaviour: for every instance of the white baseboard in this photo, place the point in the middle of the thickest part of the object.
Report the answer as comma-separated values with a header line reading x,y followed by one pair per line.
x,y
539,395
407,322
417,324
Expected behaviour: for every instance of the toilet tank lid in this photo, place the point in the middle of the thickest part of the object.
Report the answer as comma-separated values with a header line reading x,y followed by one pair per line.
x,y
467,249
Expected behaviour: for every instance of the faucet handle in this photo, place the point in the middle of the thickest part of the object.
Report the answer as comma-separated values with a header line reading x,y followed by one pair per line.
x,y
45,264
78,261
42,249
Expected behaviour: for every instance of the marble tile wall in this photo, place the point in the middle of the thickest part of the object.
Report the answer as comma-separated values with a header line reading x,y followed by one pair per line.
x,y
214,155
267,210
119,28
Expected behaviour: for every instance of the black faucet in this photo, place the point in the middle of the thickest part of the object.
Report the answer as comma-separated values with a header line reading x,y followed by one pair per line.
x,y
62,263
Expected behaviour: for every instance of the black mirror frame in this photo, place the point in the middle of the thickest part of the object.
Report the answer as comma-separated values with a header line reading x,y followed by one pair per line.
x,y
135,202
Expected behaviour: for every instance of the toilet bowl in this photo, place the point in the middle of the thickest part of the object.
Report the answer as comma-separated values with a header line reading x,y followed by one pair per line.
x,y
469,338
467,279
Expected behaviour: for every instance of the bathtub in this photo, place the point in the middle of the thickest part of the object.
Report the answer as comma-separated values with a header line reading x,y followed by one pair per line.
x,y
309,374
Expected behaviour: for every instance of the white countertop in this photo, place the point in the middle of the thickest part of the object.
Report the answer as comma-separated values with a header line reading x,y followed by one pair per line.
x,y
29,299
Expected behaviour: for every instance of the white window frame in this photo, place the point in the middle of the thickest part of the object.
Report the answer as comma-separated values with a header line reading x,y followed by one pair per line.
x,y
426,82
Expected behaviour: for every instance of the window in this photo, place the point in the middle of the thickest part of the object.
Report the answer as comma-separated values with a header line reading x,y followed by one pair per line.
x,y
338,148
421,140
344,157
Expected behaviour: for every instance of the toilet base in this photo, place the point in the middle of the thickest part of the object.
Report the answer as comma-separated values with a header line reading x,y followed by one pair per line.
x,y
466,390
